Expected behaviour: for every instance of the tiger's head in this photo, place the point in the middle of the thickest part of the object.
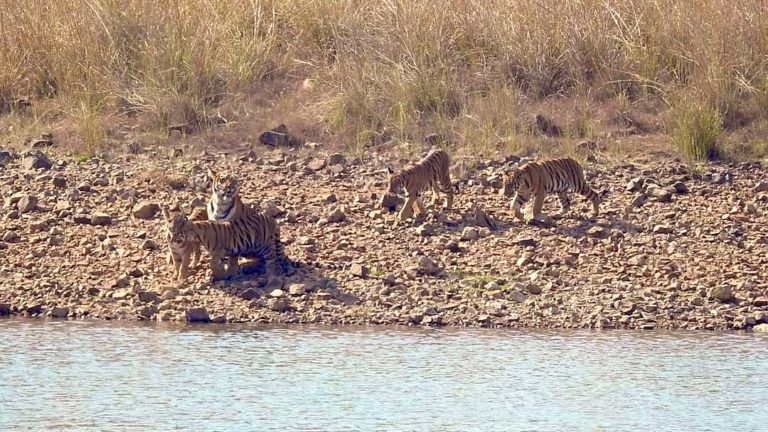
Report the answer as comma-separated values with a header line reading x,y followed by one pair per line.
x,y
390,199
175,230
224,187
510,182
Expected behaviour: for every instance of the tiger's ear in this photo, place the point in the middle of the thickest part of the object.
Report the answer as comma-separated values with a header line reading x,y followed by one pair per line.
x,y
390,171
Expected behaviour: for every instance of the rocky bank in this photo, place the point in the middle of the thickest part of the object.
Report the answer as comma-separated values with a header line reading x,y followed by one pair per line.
x,y
82,239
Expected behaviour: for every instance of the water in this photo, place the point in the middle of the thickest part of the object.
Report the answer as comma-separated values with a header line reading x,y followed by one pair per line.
x,y
127,376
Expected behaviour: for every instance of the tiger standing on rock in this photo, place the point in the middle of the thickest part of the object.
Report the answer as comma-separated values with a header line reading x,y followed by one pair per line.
x,y
252,235
180,249
429,172
537,179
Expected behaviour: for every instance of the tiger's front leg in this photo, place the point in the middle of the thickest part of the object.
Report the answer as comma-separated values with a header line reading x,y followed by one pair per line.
x,y
233,266
517,204
565,203
407,210
196,254
536,214
184,269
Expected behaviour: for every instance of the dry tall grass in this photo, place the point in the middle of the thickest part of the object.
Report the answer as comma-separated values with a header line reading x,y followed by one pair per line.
x,y
385,69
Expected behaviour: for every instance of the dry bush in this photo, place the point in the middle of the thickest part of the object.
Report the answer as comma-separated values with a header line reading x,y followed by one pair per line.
x,y
384,69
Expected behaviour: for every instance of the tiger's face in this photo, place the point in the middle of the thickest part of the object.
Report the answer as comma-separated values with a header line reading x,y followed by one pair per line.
x,y
510,182
390,199
224,187
174,231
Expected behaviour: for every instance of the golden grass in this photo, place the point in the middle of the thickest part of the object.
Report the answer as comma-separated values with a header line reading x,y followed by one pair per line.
x,y
384,69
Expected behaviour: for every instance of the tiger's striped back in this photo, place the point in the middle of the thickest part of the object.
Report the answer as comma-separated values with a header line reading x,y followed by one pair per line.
x,y
431,171
553,176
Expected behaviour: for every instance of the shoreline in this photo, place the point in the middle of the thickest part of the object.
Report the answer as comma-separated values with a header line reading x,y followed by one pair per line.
x,y
78,241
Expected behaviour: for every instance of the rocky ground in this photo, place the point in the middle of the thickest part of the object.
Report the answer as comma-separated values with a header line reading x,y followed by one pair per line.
x,y
82,239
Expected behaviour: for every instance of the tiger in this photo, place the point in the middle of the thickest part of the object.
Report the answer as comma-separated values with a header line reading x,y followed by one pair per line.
x,y
225,204
537,179
430,172
252,235
179,249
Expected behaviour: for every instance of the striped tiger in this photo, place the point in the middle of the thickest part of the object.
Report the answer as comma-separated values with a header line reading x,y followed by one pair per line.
x,y
537,179
224,204
252,235
180,249
430,172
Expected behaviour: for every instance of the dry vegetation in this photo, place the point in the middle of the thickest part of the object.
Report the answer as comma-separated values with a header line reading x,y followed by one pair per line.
x,y
100,72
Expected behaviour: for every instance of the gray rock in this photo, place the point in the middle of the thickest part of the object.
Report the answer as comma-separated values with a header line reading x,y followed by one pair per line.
x,y
277,293
599,232
680,187
7,156
337,159
60,312
722,293
59,181
5,309
279,305
426,230
81,219
761,186
250,294
469,234
337,216
101,219
760,328
145,210
635,184
11,237
276,137
358,270
316,164
148,245
662,229
198,315
518,296
27,203
149,297
660,194
639,200
526,242
297,289
428,267
36,159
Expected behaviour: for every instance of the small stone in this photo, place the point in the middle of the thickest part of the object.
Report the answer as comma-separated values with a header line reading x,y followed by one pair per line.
x,y
84,187
348,299
484,221
452,246
101,219
279,305
35,309
297,289
250,294
428,267
337,216
36,160
60,312
722,293
5,309
662,229
680,187
145,210
660,194
170,294
389,280
122,294
524,260
11,237
148,245
358,270
469,234
59,181
391,202
81,219
639,200
426,230
760,301
337,159
27,203
533,288
197,315
526,242
599,232
316,164
635,184
761,186
149,297
518,296
278,293
760,328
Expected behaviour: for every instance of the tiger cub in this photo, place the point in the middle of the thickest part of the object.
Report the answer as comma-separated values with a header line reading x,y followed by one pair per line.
x,y
252,235
537,179
181,249
224,204
429,172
